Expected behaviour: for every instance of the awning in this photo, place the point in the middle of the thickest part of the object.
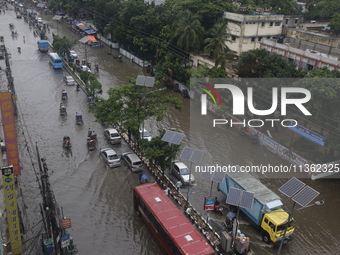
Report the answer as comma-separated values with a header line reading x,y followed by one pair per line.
x,y
92,38
90,32
81,25
60,13
84,28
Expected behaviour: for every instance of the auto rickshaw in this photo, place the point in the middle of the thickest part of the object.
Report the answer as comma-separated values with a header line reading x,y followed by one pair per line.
x,y
91,145
64,94
62,109
79,119
90,100
66,142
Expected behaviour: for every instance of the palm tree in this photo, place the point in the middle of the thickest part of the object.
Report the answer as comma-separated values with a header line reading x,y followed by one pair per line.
x,y
216,43
189,31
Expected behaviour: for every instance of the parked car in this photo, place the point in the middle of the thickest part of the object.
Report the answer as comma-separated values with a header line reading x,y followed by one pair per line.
x,y
110,157
73,54
69,80
182,173
84,69
112,135
134,163
144,134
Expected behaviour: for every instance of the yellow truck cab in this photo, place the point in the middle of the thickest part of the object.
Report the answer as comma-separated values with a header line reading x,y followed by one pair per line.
x,y
273,226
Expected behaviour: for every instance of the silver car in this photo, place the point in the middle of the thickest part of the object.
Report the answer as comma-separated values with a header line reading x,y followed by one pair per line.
x,y
69,80
110,157
182,172
144,134
112,135
134,163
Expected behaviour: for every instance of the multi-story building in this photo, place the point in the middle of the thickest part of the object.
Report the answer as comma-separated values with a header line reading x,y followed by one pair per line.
x,y
247,30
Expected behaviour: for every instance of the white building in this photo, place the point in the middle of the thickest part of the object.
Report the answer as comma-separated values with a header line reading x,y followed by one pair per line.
x,y
247,30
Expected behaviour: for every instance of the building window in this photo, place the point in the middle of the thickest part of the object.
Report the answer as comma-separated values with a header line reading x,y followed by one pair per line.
x,y
253,39
309,67
260,38
233,38
277,24
287,21
263,24
271,24
296,21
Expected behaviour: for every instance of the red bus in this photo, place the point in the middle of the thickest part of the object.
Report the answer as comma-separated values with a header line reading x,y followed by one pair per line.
x,y
174,233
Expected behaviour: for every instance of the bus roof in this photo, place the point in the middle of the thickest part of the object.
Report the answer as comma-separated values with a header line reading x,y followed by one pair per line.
x,y
54,55
178,227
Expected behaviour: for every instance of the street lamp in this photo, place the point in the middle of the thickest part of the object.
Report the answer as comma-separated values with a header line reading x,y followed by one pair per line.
x,y
300,193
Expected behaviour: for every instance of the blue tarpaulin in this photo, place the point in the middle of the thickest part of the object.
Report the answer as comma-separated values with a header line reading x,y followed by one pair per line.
x,y
90,31
144,176
60,13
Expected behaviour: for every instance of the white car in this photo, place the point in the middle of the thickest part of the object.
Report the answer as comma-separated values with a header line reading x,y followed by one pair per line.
x,y
182,172
110,157
69,80
112,135
144,134
85,68
73,54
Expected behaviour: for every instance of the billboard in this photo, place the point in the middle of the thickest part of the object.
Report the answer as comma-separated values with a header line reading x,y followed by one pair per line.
x,y
8,121
12,209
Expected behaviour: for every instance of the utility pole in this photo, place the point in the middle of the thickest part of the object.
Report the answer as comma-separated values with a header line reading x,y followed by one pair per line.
x,y
50,208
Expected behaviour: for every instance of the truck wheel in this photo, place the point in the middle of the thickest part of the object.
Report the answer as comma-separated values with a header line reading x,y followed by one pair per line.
x,y
266,238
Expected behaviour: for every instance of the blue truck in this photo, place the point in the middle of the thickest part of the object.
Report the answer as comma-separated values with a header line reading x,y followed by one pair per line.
x,y
266,212
43,45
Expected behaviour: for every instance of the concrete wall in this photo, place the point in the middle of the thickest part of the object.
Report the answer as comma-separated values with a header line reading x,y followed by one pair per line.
x,y
312,37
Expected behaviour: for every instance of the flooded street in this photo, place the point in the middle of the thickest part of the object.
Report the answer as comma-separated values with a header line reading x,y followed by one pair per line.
x,y
99,199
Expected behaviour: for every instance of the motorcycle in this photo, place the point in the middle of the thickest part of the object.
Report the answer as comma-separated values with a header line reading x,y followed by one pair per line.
x,y
78,87
217,207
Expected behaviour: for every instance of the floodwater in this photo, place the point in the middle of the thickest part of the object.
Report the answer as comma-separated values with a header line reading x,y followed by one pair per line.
x,y
99,199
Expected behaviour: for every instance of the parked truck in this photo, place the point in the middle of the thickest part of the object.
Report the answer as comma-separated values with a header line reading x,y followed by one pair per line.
x,y
43,45
266,212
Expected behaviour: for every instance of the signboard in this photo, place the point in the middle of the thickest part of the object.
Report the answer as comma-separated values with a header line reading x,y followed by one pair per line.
x,y
209,203
65,240
309,134
7,115
65,223
12,209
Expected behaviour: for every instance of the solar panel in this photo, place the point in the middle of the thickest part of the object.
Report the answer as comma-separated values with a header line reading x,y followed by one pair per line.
x,y
186,153
218,176
84,39
167,136
247,200
140,80
197,156
291,187
305,196
172,137
176,138
149,81
206,175
234,196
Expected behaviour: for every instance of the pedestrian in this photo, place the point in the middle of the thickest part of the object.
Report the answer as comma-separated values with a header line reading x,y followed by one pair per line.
x,y
23,38
178,185
166,190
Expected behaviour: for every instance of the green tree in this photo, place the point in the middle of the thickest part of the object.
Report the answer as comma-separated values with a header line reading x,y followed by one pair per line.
x,y
160,153
335,23
129,105
62,45
189,31
216,43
